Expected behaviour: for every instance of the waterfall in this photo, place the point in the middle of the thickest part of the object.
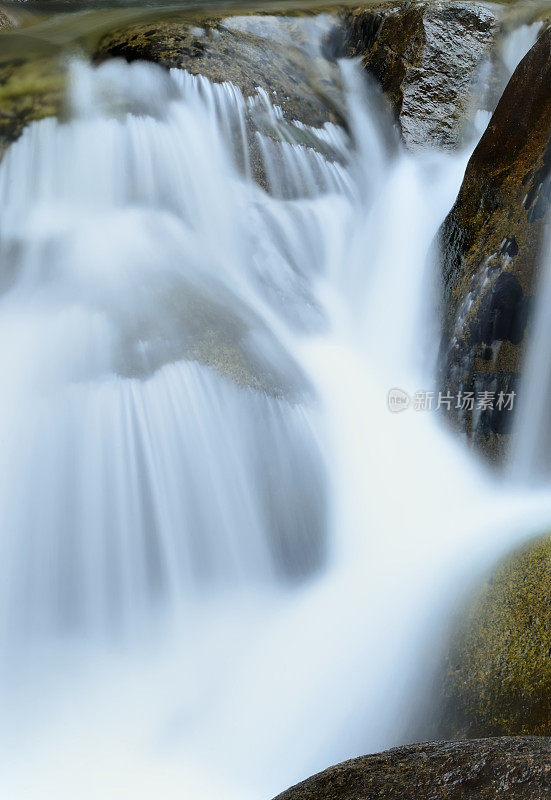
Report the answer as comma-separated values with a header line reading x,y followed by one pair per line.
x,y
223,558
530,458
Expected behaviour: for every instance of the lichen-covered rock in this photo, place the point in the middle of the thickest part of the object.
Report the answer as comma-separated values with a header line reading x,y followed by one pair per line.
x,y
30,89
276,54
498,669
484,769
427,57
490,244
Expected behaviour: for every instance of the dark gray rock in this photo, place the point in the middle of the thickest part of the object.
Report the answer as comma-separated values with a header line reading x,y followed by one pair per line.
x,y
482,769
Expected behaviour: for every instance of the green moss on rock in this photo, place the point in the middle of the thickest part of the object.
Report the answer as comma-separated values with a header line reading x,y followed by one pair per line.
x,y
498,670
30,89
32,80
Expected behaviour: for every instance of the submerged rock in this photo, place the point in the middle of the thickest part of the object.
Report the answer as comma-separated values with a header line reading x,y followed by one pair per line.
x,y
490,244
428,58
498,669
486,769
225,336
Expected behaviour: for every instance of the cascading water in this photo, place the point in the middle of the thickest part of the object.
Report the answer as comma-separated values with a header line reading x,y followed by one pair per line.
x,y
530,459
222,556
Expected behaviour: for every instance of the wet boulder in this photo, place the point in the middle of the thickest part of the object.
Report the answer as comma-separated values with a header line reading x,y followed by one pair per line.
x,y
283,56
484,769
490,249
497,678
286,61
429,59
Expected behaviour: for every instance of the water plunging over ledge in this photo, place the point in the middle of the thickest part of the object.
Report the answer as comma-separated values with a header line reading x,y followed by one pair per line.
x,y
223,559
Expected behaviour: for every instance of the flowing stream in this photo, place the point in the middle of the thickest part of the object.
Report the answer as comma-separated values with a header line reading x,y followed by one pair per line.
x,y
224,563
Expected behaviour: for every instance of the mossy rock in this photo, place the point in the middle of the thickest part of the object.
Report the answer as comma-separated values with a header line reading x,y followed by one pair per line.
x,y
26,89
30,90
490,245
498,670
32,81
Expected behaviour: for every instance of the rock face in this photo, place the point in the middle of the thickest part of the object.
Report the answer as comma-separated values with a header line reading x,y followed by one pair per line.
x,y
427,57
484,769
498,670
490,244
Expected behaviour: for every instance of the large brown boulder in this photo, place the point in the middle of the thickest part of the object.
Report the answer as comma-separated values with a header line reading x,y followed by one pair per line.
x,y
484,769
497,676
427,56
490,244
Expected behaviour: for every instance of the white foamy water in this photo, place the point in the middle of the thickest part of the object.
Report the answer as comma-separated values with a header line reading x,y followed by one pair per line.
x,y
223,560
530,458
